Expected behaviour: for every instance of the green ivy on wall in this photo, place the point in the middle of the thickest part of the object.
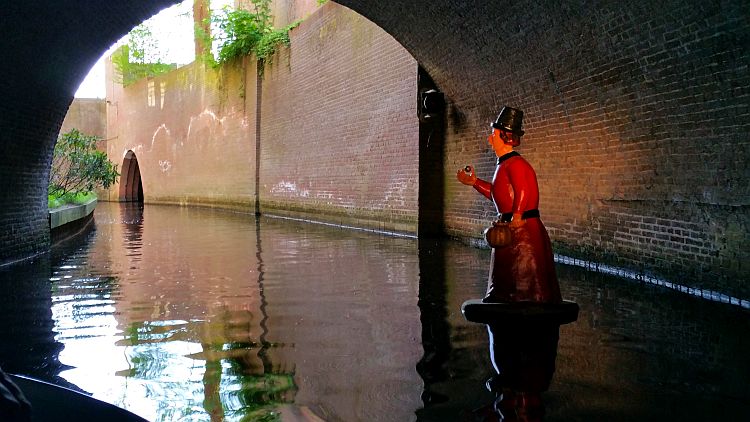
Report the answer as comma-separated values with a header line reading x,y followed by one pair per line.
x,y
237,33
131,62
244,32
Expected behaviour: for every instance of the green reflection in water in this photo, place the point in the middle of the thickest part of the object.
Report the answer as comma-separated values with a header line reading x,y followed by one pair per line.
x,y
237,381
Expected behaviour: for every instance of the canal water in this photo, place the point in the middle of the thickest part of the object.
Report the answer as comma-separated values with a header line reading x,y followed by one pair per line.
x,y
186,314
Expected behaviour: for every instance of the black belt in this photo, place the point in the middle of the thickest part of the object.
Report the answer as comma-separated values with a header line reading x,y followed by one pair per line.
x,y
507,216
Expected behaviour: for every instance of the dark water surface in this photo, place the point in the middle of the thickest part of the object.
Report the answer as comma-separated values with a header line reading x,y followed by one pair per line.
x,y
184,314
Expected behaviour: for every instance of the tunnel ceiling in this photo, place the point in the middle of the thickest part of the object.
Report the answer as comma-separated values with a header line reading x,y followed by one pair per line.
x,y
483,54
452,40
467,46
464,44
53,44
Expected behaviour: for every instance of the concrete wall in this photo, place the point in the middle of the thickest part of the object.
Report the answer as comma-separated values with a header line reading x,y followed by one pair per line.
x,y
88,115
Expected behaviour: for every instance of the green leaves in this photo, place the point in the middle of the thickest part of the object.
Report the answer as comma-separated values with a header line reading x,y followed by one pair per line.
x,y
128,71
136,60
78,167
245,32
241,32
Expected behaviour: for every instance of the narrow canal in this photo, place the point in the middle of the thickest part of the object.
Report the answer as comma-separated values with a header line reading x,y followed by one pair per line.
x,y
201,315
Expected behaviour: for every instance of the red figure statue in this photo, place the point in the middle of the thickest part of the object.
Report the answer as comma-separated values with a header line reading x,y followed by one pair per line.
x,y
524,270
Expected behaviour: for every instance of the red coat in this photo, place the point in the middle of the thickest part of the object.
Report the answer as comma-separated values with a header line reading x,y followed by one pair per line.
x,y
525,270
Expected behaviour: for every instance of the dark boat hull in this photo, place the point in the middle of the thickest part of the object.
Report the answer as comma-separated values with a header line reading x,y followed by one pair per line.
x,y
53,403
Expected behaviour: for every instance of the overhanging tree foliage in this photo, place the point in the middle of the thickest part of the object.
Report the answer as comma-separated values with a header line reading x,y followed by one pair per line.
x,y
137,59
242,32
77,167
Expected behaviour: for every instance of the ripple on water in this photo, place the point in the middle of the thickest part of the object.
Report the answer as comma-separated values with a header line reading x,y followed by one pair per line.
x,y
186,314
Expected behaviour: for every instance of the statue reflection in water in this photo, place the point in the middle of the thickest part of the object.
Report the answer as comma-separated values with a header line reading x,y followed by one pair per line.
x,y
523,357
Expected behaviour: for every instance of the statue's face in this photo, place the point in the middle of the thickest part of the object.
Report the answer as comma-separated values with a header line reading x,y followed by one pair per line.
x,y
492,138
497,142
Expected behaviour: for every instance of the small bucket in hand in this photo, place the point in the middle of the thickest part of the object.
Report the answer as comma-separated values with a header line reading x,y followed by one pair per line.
x,y
498,235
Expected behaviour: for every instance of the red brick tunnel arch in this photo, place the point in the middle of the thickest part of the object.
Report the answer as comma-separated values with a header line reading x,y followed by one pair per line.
x,y
131,187
636,114
50,47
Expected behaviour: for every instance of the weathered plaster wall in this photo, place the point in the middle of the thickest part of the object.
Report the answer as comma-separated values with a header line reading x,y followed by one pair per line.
x,y
88,115
338,135
339,130
193,134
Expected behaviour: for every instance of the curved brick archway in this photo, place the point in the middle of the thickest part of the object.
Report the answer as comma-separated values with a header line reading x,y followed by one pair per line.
x,y
637,114
50,47
131,187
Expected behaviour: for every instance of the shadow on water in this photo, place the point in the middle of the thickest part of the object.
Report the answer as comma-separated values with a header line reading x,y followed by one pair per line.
x,y
29,344
203,315
455,354
523,356
432,367
641,352
636,352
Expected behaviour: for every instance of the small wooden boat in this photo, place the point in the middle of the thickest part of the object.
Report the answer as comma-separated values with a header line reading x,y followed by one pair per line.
x,y
53,403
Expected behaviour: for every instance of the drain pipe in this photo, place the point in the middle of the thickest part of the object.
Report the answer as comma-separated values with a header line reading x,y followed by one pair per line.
x,y
258,99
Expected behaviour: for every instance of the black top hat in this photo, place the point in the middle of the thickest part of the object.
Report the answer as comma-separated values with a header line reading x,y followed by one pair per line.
x,y
510,120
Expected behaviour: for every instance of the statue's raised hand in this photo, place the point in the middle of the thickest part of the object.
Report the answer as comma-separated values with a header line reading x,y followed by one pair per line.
x,y
467,176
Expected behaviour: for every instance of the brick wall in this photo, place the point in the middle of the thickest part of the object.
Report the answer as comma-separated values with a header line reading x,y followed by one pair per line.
x,y
636,122
339,134
287,11
284,12
27,153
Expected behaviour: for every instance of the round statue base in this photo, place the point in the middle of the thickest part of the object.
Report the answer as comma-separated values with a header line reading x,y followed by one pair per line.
x,y
475,310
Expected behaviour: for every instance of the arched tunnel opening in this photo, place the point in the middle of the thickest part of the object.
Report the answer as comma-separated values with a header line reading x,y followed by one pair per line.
x,y
626,108
131,186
